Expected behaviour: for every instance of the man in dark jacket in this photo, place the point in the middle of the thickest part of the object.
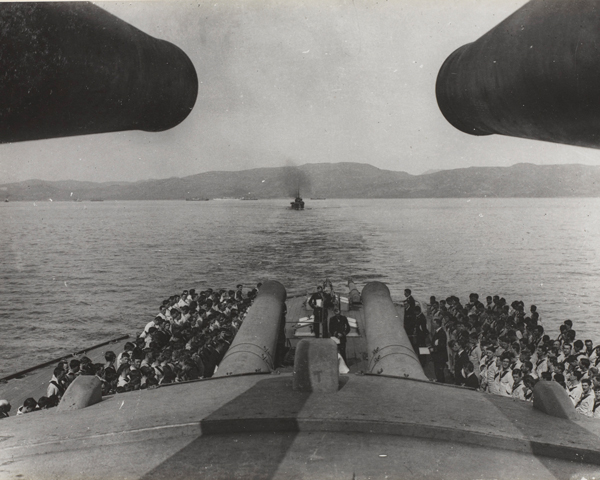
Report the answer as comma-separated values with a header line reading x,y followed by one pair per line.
x,y
4,409
318,301
421,333
461,358
339,328
439,349
471,379
409,306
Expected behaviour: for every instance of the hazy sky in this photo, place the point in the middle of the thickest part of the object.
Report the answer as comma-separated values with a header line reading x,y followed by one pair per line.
x,y
293,82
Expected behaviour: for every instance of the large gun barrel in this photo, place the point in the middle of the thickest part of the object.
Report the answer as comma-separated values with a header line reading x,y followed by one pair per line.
x,y
390,350
254,347
71,68
535,75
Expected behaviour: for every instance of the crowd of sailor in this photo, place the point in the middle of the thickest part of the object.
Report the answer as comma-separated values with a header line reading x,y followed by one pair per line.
x,y
185,341
503,349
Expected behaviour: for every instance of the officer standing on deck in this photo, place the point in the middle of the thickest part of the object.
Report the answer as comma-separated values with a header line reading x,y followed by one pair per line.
x,y
339,328
439,349
409,306
317,303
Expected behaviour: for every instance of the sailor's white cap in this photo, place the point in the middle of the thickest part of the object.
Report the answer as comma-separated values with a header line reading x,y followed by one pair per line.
x,y
4,403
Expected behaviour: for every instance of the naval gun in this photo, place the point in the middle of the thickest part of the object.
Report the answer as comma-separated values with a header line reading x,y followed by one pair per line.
x,y
72,68
535,75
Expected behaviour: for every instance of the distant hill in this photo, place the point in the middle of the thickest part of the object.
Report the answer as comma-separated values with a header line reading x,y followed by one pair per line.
x,y
331,180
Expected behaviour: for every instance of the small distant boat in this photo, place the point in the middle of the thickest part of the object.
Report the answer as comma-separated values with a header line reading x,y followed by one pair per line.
x,y
197,199
6,200
298,203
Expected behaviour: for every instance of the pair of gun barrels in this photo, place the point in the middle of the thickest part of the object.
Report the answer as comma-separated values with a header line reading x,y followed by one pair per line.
x,y
71,68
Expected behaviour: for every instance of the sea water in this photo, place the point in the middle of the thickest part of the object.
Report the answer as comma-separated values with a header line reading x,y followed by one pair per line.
x,y
78,273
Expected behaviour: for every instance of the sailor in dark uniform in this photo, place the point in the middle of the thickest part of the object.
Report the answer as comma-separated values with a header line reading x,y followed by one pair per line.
x,y
239,293
461,358
421,333
409,305
318,302
4,409
471,379
439,350
339,328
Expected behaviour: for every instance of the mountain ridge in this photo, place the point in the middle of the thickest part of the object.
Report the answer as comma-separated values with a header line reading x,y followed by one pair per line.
x,y
330,180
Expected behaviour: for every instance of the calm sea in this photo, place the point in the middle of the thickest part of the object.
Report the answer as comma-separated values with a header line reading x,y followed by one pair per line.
x,y
76,274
